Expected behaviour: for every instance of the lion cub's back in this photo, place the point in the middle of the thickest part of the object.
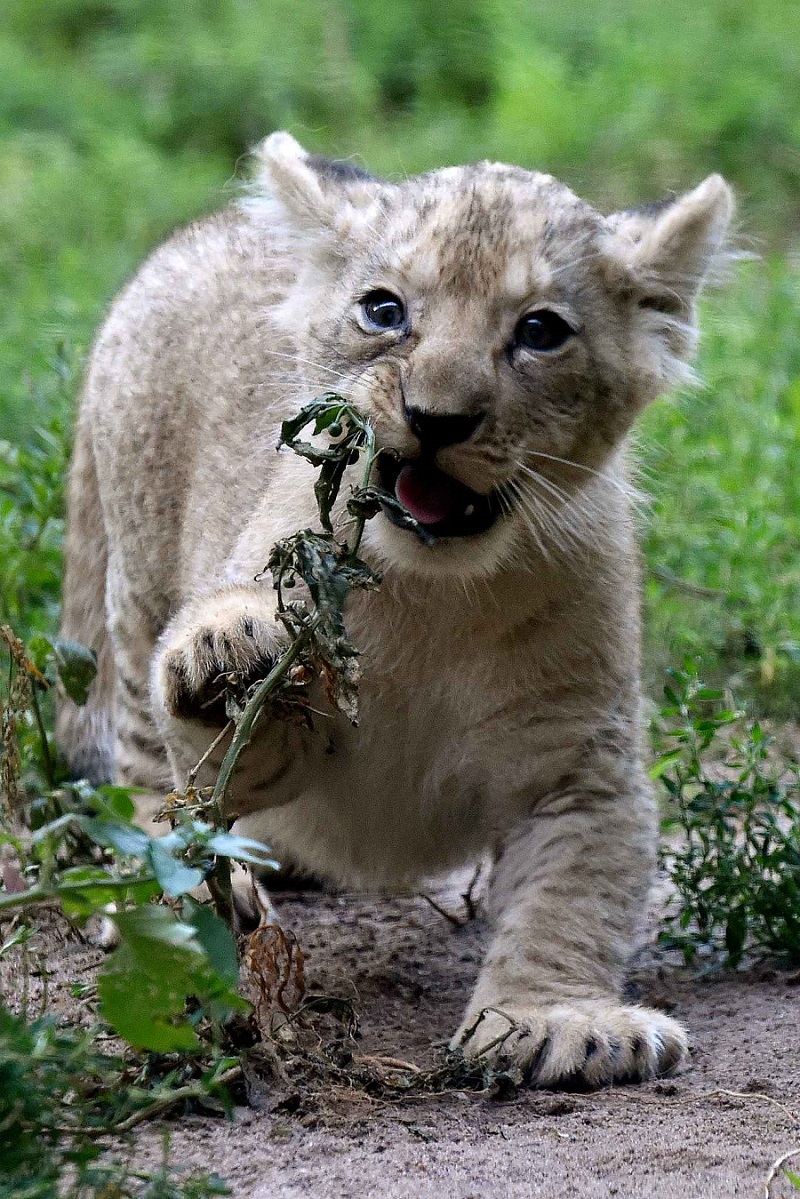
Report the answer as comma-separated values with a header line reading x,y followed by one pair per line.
x,y
177,395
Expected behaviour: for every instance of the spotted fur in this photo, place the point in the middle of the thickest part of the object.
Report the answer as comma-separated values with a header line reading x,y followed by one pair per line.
x,y
500,704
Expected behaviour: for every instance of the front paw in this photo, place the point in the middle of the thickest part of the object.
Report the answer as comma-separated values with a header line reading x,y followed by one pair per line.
x,y
220,641
584,1043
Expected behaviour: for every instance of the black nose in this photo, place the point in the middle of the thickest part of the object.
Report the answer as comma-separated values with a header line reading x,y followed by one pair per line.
x,y
435,431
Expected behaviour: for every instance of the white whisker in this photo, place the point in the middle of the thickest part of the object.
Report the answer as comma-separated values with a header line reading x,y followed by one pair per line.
x,y
307,362
625,490
533,523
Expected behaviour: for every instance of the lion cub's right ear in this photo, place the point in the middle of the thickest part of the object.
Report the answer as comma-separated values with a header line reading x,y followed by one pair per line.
x,y
316,194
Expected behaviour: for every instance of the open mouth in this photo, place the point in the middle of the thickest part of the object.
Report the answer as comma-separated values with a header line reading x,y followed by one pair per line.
x,y
441,505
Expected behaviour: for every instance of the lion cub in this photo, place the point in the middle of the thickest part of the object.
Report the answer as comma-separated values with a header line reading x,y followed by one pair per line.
x,y
502,335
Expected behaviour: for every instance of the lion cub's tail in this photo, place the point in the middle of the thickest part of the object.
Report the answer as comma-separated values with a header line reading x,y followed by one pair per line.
x,y
85,734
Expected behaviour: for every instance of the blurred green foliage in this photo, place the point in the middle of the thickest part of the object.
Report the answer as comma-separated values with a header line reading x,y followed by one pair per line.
x,y
722,532
121,118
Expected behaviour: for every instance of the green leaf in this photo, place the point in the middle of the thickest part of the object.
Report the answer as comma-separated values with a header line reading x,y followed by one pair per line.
x,y
81,904
326,488
76,666
243,849
158,965
328,406
364,501
662,764
215,938
175,877
40,651
56,828
736,934
127,839
794,1179
117,801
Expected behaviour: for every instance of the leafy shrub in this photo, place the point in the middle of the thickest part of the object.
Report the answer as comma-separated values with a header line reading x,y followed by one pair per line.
x,y
736,864
59,1096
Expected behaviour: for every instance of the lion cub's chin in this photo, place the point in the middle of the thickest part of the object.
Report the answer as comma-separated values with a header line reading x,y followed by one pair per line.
x,y
456,557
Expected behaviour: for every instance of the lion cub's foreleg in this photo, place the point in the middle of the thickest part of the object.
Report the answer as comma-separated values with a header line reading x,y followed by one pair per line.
x,y
226,634
566,894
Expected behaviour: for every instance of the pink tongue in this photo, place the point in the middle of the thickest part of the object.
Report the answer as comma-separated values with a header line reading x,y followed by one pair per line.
x,y
428,494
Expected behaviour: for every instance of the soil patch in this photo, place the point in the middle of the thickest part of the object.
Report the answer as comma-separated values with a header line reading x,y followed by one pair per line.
x,y
710,1133
408,972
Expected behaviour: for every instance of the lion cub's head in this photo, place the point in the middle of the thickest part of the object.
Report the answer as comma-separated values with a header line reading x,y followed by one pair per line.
x,y
500,332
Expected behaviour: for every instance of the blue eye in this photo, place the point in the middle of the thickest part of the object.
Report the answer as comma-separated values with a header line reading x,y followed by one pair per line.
x,y
542,331
383,310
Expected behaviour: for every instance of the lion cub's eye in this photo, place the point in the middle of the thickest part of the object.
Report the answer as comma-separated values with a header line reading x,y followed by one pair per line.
x,y
542,330
382,310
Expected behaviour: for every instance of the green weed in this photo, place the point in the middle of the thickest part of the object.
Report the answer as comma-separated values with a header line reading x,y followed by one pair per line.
x,y
59,1097
735,864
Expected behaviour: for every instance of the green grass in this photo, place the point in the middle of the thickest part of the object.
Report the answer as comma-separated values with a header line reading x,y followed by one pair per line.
x,y
720,464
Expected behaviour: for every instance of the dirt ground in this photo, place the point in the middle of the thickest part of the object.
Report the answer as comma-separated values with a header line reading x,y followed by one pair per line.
x,y
710,1133
408,971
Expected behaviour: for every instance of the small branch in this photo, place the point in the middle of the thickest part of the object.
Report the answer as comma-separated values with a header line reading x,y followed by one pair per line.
x,y
456,921
39,894
221,888
163,1103
193,773
469,895
709,593
776,1166
46,755
702,1096
389,1063
252,711
246,723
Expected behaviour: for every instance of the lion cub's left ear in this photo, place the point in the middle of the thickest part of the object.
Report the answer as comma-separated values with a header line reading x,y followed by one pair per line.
x,y
660,256
669,249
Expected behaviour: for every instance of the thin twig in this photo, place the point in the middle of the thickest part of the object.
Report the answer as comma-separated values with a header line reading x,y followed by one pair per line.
x,y
257,701
469,895
456,921
390,1063
49,768
469,902
164,1102
193,773
702,1096
776,1166
709,593
252,710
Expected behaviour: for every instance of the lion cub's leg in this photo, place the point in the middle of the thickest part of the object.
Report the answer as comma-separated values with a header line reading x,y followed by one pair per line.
x,y
566,895
231,631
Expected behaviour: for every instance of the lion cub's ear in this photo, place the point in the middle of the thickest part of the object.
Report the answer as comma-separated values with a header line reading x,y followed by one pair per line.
x,y
316,194
659,257
669,249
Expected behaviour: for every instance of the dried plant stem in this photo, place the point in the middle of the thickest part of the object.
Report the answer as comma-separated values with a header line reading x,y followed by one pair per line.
x,y
246,723
776,1166
252,710
220,737
164,1102
47,757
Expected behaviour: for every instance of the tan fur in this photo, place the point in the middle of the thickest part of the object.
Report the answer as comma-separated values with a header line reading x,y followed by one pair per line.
x,y
500,701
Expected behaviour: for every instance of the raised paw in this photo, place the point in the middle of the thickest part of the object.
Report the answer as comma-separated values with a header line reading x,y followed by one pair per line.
x,y
222,640
579,1044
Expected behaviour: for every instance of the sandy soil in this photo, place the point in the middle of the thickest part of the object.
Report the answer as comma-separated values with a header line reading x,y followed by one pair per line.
x,y
408,971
